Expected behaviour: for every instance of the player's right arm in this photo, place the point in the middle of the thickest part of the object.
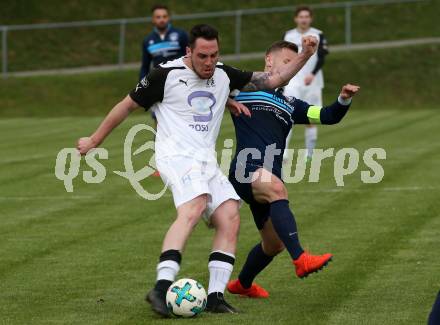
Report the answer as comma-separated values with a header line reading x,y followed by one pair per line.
x,y
148,91
280,78
118,114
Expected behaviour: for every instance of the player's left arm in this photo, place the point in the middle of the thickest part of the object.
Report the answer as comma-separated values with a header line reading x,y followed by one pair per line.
x,y
305,113
280,78
321,53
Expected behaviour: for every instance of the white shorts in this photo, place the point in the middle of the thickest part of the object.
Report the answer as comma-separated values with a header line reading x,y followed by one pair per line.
x,y
189,178
311,95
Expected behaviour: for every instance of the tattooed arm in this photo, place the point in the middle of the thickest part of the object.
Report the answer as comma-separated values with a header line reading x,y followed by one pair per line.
x,y
275,79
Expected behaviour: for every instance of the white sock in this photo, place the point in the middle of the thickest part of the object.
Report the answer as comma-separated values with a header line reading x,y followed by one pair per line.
x,y
167,270
220,273
289,136
311,135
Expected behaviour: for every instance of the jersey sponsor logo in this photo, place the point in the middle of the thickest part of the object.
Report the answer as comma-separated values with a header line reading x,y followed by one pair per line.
x,y
199,127
174,36
202,103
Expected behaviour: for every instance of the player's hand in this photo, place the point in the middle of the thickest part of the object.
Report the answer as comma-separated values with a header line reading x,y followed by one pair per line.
x,y
86,144
237,108
309,79
349,91
309,45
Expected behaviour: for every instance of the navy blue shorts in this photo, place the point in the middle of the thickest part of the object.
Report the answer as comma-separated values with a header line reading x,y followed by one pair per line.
x,y
260,211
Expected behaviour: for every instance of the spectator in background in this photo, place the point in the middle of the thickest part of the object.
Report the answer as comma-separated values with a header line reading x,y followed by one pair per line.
x,y
164,43
308,83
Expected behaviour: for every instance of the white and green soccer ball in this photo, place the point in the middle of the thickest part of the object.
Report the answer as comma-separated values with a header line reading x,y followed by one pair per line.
x,y
186,298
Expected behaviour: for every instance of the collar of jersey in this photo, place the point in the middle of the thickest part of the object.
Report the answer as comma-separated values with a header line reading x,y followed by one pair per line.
x,y
169,26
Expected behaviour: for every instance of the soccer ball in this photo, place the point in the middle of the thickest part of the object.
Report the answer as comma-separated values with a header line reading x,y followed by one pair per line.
x,y
186,298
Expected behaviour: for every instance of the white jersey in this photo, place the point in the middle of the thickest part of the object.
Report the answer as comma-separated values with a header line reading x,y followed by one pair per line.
x,y
295,36
189,109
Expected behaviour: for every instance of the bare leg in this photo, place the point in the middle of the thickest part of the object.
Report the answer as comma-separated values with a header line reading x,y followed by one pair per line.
x,y
188,215
226,221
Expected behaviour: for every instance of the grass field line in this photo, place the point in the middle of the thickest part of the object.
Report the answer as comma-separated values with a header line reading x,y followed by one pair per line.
x,y
329,190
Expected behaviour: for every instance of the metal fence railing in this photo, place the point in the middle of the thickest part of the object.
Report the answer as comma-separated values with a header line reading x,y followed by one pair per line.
x,y
236,14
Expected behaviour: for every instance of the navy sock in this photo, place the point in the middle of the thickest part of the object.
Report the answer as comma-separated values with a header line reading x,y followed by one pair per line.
x,y
285,226
256,261
434,317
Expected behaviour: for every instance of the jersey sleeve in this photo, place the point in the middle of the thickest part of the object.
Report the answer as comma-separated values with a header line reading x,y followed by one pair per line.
x,y
321,53
305,113
150,89
238,78
299,114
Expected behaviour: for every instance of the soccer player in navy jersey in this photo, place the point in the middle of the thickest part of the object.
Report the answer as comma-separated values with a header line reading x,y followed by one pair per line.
x,y
255,171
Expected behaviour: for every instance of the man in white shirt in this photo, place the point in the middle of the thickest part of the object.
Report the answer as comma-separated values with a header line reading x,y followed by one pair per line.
x,y
308,83
189,96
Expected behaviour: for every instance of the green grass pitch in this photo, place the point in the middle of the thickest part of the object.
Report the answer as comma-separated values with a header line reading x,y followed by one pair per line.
x,y
88,257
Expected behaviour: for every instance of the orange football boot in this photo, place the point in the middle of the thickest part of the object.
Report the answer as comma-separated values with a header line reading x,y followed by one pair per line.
x,y
308,263
255,291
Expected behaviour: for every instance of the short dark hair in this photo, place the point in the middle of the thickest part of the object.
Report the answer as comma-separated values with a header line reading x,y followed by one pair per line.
x,y
159,6
303,8
279,45
202,31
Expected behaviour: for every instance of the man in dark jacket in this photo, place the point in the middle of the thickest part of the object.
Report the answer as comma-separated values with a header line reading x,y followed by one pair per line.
x,y
164,43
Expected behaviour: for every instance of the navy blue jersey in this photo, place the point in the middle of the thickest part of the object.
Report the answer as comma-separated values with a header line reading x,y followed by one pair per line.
x,y
261,138
156,50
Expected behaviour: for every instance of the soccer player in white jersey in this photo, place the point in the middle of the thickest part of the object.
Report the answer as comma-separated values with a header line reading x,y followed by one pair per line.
x,y
189,96
308,83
